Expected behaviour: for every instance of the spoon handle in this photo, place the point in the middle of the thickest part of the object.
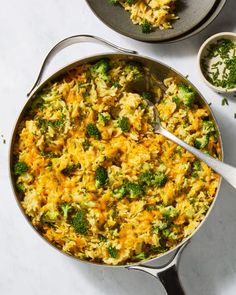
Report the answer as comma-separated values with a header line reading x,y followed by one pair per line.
x,y
226,171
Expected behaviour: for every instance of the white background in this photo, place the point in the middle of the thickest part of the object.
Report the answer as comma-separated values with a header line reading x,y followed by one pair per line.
x,y
28,265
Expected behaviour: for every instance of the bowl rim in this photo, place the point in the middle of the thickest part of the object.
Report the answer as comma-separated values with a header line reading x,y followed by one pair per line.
x,y
206,43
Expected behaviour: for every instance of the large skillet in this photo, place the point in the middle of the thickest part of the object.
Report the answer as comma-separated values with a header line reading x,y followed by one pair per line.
x,y
167,273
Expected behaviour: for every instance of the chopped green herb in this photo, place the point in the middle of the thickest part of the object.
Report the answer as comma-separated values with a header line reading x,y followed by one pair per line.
x,y
222,71
116,84
112,251
224,101
48,155
70,169
102,238
57,124
86,144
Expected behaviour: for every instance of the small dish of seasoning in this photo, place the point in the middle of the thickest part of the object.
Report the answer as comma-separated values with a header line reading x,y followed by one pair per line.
x,y
217,62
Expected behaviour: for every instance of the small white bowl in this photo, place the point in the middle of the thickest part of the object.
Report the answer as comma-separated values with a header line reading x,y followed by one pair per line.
x,y
202,52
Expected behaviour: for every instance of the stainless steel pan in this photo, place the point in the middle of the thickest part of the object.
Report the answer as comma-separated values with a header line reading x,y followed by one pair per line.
x,y
167,273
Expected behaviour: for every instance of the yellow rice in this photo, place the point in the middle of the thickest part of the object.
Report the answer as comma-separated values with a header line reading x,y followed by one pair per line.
x,y
135,228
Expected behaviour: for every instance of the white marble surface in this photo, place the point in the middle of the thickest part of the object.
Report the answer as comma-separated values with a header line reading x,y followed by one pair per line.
x,y
28,29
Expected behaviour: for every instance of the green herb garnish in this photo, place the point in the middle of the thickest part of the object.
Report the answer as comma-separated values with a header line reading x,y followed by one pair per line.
x,y
222,71
224,101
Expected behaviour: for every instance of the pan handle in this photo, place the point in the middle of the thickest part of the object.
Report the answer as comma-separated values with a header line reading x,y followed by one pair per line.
x,y
167,274
73,40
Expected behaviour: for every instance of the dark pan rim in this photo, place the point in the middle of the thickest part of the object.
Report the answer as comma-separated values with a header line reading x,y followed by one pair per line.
x,y
56,75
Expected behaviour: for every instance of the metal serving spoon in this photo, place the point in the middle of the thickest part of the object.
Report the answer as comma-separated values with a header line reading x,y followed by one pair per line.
x,y
228,172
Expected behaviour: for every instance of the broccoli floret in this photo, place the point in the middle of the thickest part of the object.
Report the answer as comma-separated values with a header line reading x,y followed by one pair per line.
x,y
146,26
202,142
112,251
20,168
167,233
49,217
147,95
134,69
101,176
172,236
159,226
101,68
176,99
123,123
120,192
70,169
130,188
20,187
160,179
103,118
197,165
92,130
80,223
113,1
169,212
186,95
146,178
208,127
66,208
157,179
140,256
134,189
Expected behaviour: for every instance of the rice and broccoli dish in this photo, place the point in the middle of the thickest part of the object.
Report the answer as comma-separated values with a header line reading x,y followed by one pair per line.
x,y
149,14
95,180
